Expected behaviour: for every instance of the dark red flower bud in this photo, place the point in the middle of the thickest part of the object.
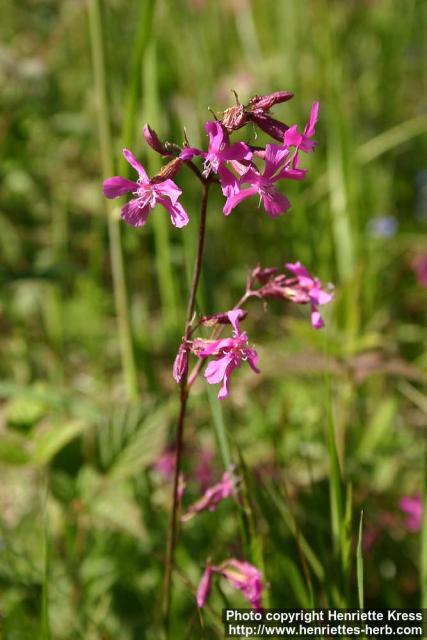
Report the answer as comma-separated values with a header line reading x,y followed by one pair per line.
x,y
220,318
269,125
180,366
266,102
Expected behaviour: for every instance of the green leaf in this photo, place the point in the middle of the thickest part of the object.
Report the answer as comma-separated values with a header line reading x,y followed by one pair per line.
x,y
54,437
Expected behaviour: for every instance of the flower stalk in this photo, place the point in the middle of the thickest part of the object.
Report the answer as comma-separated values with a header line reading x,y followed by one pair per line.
x,y
183,396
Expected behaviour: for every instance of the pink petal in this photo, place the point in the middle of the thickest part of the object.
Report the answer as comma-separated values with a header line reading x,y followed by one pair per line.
x,y
275,204
215,346
229,182
234,317
274,158
310,128
204,587
134,215
188,153
178,215
117,186
223,392
298,269
136,165
215,371
233,201
217,136
237,151
253,360
292,138
292,174
170,189
316,319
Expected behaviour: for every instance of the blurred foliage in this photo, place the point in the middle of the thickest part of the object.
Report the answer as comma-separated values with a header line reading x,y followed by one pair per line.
x,y
83,511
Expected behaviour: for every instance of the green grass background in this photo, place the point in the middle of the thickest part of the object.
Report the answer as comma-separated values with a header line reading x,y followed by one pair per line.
x,y
91,313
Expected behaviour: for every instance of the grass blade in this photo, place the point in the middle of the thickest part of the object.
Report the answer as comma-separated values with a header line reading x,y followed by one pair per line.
x,y
359,563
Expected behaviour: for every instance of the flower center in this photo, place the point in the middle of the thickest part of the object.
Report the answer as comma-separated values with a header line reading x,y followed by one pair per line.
x,y
146,194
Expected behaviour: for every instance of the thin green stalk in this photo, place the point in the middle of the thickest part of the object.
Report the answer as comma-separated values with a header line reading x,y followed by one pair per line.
x,y
423,572
45,586
116,254
184,390
143,39
359,564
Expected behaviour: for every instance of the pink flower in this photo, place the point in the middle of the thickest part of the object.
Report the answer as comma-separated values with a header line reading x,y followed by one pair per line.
x,y
165,463
276,168
147,194
240,574
211,497
203,472
419,265
229,351
293,138
307,289
219,152
413,507
302,289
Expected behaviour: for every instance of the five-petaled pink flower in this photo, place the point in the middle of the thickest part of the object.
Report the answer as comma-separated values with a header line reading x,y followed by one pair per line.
x,y
307,289
147,193
264,184
240,574
211,497
219,152
229,353
413,507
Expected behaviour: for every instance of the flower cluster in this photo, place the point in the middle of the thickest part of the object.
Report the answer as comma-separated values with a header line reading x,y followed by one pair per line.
x,y
235,165
302,288
240,574
228,354
242,170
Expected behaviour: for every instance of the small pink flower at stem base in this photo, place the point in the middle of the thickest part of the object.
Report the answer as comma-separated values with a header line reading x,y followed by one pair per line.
x,y
229,354
240,574
211,498
147,194
413,507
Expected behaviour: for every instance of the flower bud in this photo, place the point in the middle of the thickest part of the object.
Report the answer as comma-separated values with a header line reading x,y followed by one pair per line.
x,y
153,141
269,125
168,171
180,366
266,102
221,318
234,118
